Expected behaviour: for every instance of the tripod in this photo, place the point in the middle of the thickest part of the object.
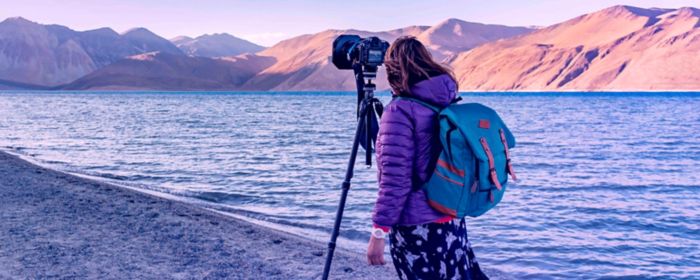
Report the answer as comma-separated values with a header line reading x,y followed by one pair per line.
x,y
368,109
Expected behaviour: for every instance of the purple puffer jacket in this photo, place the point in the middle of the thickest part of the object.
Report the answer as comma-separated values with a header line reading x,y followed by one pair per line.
x,y
407,147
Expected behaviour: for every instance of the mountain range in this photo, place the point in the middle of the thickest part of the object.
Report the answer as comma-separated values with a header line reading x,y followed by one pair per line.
x,y
215,45
618,48
52,55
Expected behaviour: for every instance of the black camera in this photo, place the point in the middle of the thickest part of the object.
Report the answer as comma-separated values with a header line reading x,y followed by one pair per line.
x,y
350,49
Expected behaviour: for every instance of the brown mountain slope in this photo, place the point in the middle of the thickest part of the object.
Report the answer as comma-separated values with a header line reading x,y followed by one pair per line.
x,y
303,63
31,53
617,48
165,71
454,36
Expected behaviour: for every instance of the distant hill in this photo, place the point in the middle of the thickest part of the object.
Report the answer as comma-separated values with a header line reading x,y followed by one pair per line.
x,y
454,36
167,71
50,55
215,45
143,40
619,48
181,40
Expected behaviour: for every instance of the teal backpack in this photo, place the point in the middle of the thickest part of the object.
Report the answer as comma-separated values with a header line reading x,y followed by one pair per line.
x,y
472,170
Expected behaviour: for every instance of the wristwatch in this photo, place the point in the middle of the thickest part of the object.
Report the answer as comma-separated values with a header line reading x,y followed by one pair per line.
x,y
378,233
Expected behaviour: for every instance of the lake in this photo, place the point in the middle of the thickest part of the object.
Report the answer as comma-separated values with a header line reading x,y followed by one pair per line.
x,y
609,182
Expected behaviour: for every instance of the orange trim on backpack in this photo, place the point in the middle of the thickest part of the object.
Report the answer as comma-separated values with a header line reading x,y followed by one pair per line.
x,y
442,208
448,179
450,167
445,219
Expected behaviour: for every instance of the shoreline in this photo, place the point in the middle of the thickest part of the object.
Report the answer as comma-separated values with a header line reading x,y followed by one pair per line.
x,y
321,237
55,224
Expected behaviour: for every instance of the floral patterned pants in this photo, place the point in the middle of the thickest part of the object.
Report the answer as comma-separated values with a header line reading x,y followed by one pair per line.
x,y
434,251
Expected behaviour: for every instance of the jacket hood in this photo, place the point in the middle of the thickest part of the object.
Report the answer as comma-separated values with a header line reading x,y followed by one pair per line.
x,y
439,90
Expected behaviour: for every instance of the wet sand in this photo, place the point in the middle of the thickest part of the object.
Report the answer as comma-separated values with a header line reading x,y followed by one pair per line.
x,y
56,225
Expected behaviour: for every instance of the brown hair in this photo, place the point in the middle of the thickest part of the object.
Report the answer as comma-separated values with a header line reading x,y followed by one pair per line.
x,y
409,62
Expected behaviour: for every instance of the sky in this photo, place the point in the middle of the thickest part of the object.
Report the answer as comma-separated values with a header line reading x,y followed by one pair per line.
x,y
268,21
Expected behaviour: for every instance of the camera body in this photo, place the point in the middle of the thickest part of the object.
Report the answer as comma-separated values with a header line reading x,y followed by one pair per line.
x,y
350,49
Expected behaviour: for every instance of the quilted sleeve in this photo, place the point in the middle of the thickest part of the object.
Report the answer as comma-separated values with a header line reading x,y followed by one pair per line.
x,y
395,161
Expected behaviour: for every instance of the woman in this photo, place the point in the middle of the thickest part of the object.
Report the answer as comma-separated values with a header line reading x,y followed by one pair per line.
x,y
424,243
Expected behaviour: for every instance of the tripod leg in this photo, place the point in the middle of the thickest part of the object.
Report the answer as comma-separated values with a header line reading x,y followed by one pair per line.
x,y
369,117
345,188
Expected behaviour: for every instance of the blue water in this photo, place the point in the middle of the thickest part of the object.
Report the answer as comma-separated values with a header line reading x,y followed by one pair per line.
x,y
610,182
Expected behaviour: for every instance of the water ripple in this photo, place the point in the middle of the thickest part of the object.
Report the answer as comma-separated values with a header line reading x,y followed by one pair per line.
x,y
609,182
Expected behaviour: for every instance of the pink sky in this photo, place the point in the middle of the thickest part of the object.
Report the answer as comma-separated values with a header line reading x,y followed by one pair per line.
x,y
268,21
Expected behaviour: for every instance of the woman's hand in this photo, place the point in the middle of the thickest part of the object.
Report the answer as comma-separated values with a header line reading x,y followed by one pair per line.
x,y
375,251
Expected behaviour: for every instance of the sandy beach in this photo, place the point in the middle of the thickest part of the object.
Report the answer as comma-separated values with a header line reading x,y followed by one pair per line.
x,y
56,225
